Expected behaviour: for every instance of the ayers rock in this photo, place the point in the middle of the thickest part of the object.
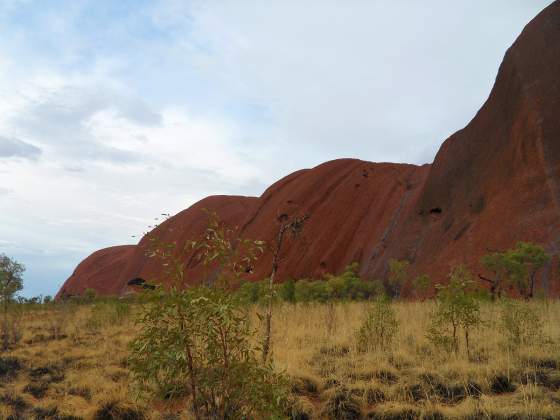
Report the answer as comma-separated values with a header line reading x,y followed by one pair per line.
x,y
492,183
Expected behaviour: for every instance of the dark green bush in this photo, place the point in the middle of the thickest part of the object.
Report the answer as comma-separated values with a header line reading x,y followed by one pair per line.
x,y
347,286
287,291
200,339
252,291
344,287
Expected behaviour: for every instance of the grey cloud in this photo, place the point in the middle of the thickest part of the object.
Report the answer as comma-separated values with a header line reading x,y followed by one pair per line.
x,y
73,169
98,152
71,106
10,147
379,80
60,119
138,111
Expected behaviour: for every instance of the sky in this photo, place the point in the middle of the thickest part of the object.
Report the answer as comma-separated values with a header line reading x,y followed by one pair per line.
x,y
114,112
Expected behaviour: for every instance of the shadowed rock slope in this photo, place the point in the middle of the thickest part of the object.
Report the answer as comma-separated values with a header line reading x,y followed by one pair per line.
x,y
491,184
100,271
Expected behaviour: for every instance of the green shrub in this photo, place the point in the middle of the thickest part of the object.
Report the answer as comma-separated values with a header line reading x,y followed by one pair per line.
x,y
303,292
59,319
421,284
105,313
379,326
11,282
349,286
287,291
529,259
398,273
252,291
457,308
519,323
89,295
346,286
200,339
517,267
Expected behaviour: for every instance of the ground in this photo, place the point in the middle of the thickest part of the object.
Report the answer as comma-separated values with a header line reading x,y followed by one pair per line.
x,y
70,361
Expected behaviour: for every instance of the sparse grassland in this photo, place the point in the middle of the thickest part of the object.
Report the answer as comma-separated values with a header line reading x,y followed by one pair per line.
x,y
71,362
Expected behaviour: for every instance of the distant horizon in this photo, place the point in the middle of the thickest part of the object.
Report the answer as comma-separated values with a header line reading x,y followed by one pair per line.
x,y
113,113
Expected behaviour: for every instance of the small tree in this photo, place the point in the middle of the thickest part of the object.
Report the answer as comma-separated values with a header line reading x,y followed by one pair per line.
x,y
379,326
519,323
422,284
198,340
398,272
220,250
457,308
223,249
518,267
527,259
11,281
500,264
294,226
89,295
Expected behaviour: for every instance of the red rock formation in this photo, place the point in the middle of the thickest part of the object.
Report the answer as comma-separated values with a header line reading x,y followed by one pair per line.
x,y
186,225
492,183
100,271
497,180
353,206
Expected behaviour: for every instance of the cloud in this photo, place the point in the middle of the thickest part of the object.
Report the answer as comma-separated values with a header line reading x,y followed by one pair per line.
x,y
61,117
14,148
111,160
379,80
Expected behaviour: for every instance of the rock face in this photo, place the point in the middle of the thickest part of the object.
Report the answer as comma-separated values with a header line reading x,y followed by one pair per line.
x,y
354,209
186,225
495,182
100,271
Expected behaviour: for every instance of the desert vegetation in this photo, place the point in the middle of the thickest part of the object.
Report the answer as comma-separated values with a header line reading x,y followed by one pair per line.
x,y
339,348
74,361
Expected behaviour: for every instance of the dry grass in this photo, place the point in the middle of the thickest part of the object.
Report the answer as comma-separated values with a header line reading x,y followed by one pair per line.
x,y
414,379
71,361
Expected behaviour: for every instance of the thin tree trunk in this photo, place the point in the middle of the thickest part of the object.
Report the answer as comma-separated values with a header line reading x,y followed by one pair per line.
x,y
296,224
190,366
225,374
193,382
5,338
268,327
467,342
455,343
493,286
531,290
